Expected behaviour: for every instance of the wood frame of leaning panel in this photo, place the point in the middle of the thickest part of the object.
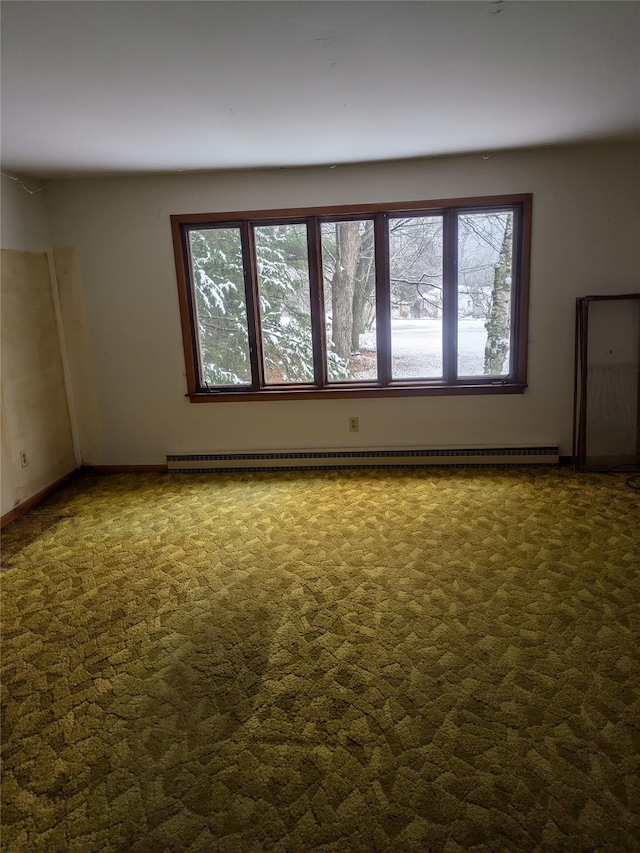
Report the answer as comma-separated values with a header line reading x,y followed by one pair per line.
x,y
580,379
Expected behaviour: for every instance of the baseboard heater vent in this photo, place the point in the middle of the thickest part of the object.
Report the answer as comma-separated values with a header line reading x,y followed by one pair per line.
x,y
311,460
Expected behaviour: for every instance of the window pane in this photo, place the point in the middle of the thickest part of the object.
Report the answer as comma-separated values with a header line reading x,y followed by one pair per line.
x,y
349,272
415,263
220,306
285,308
485,258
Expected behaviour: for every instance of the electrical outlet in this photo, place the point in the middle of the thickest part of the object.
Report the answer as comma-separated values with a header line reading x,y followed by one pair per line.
x,y
23,458
354,426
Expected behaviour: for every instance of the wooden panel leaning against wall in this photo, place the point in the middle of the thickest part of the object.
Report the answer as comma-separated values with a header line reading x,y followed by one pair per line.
x,y
37,441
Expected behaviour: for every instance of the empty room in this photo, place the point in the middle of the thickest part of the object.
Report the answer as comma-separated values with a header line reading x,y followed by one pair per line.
x,y
320,426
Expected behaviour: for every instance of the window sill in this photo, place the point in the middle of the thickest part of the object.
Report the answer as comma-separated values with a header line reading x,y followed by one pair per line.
x,y
334,393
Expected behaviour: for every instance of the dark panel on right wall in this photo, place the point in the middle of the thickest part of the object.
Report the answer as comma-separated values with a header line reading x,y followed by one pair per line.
x,y
607,388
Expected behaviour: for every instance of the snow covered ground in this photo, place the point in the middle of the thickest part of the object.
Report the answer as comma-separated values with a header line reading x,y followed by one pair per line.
x,y
416,349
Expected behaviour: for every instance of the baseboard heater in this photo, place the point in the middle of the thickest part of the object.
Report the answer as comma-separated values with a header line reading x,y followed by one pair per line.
x,y
311,460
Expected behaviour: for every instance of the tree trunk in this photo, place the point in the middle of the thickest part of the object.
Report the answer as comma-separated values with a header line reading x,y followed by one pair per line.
x,y
364,286
348,242
499,321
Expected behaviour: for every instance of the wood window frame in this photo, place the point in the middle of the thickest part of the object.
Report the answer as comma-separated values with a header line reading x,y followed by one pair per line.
x,y
514,383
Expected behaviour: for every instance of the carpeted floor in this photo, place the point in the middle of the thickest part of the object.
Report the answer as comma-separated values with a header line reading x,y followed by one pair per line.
x,y
358,661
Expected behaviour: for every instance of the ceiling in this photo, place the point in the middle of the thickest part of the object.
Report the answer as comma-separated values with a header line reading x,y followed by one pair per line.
x,y
137,87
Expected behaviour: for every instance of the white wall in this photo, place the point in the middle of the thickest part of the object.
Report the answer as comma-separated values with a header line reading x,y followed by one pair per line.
x,y
585,227
35,413
24,224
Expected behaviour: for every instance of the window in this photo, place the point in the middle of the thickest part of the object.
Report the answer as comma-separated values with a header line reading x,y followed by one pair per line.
x,y
407,299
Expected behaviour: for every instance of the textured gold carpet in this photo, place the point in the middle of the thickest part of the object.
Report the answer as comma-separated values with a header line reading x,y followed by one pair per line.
x,y
360,661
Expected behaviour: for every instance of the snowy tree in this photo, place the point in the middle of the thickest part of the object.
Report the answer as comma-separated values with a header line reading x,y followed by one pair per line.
x,y
220,306
498,322
484,280
283,286
415,258
349,275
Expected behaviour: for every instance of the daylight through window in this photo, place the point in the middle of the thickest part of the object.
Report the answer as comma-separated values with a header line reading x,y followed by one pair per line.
x,y
417,298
